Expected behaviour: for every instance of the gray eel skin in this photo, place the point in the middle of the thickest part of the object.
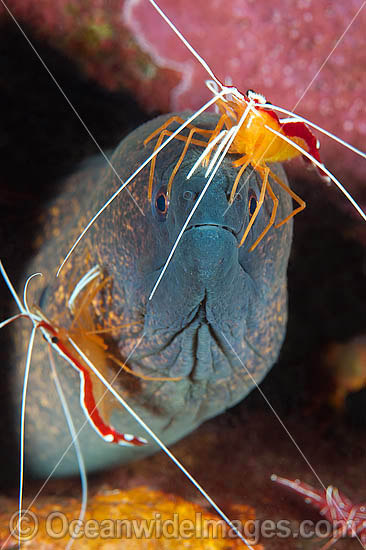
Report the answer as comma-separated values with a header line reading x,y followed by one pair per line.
x,y
219,313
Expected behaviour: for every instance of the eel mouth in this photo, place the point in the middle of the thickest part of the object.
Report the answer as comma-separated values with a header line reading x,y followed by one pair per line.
x,y
225,227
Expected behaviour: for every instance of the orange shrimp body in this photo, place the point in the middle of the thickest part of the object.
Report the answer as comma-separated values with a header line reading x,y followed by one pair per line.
x,y
253,138
248,132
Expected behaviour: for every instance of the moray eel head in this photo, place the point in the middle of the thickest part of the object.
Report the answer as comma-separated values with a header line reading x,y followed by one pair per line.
x,y
216,321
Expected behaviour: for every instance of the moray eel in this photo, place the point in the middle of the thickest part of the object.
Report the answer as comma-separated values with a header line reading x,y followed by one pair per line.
x,y
219,313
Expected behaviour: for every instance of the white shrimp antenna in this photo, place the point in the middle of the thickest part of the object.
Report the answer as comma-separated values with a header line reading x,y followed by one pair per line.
x,y
22,427
306,460
205,152
297,118
163,447
187,44
321,167
204,108
92,274
215,85
228,139
217,95
25,312
75,442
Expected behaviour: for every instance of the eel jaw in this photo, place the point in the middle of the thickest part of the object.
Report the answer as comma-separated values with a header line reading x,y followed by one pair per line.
x,y
225,227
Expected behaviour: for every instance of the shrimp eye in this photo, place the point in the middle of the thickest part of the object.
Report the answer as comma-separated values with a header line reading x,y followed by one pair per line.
x,y
161,203
252,202
257,98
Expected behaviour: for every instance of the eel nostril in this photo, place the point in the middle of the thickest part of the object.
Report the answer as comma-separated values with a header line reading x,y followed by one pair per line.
x,y
188,195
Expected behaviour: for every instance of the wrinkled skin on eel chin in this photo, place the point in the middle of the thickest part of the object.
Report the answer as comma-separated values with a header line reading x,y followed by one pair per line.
x,y
217,320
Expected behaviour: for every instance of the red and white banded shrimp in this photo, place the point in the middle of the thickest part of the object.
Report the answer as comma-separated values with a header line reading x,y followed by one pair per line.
x,y
76,345
347,518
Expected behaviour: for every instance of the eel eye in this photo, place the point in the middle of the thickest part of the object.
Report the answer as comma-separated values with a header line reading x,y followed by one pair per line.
x,y
252,202
161,203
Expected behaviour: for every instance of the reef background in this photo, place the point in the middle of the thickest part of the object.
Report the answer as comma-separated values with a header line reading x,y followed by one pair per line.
x,y
277,48
233,456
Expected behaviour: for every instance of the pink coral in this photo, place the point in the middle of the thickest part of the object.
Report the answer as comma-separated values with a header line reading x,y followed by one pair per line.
x,y
302,54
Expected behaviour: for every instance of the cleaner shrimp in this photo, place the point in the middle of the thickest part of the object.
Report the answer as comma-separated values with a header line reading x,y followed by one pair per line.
x,y
347,517
67,345
221,97
254,132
